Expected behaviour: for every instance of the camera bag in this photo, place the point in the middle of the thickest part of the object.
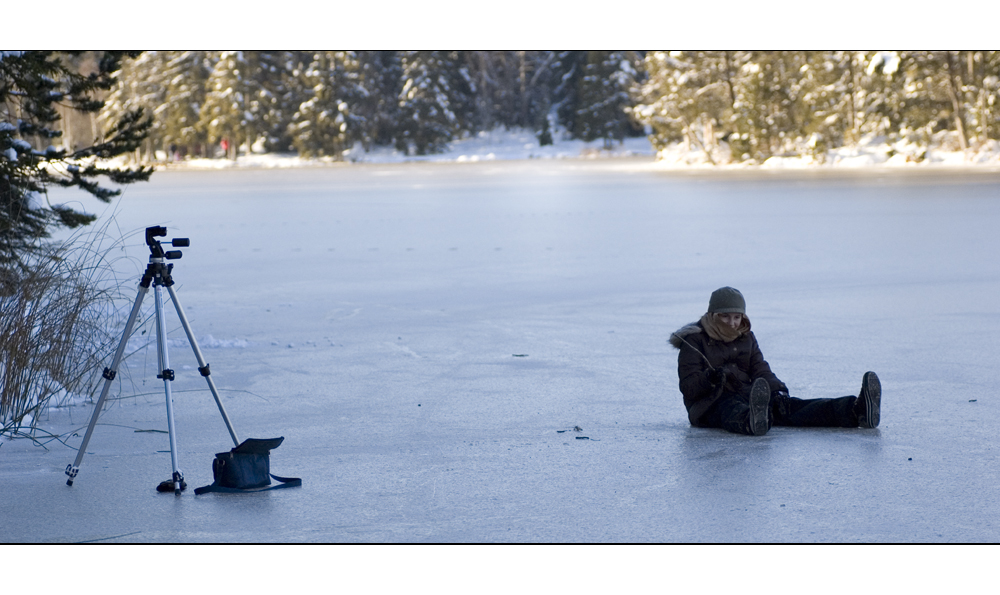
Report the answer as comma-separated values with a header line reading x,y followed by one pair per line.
x,y
247,468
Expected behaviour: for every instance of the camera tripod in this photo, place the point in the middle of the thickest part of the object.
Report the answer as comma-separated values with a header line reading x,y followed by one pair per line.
x,y
158,275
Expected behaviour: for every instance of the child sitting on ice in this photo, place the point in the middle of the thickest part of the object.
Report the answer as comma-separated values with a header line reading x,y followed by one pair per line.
x,y
727,384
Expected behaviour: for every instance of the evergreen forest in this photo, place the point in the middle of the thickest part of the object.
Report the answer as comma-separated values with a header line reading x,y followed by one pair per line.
x,y
731,106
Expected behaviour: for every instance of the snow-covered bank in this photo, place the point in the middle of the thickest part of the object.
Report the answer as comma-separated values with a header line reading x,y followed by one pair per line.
x,y
871,153
497,145
507,145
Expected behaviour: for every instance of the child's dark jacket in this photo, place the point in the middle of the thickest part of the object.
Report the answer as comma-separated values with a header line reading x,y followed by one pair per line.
x,y
741,359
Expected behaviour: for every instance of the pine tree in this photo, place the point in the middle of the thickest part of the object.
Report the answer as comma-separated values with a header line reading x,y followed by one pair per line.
x,y
185,74
766,93
496,100
141,84
170,86
382,79
982,93
435,101
568,70
463,91
535,83
328,123
225,117
883,100
279,87
603,97
690,97
833,96
32,85
912,96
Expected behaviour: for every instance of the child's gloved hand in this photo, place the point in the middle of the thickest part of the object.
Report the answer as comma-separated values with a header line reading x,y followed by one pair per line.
x,y
716,376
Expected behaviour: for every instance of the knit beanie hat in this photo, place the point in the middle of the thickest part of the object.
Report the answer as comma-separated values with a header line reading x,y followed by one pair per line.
x,y
727,299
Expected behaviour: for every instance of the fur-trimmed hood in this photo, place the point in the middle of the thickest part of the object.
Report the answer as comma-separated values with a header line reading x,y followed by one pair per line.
x,y
683,332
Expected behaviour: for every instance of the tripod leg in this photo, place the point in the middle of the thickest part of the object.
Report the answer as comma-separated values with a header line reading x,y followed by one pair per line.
x,y
203,366
109,375
167,375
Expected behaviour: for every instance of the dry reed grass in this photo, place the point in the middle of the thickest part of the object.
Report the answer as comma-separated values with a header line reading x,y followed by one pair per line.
x,y
61,316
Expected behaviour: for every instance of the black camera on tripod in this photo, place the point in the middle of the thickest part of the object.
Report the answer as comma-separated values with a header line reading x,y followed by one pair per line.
x,y
156,250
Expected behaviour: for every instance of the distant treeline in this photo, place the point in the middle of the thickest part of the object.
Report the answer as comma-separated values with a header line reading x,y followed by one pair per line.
x,y
732,105
742,106
323,103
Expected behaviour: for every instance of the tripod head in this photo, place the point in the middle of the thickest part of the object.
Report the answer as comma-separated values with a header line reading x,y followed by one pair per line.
x,y
155,247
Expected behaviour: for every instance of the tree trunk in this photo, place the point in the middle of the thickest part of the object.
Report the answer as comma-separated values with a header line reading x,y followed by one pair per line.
x,y
66,126
727,66
522,75
956,103
94,129
852,116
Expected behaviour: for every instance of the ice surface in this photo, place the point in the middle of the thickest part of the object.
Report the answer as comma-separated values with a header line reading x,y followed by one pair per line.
x,y
427,336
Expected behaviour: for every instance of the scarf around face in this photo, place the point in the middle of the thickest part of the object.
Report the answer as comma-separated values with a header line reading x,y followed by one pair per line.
x,y
720,331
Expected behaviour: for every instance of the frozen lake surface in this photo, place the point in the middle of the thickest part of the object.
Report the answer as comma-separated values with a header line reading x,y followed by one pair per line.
x,y
427,336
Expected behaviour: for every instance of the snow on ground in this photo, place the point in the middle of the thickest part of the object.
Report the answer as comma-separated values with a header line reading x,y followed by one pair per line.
x,y
505,145
872,152
496,145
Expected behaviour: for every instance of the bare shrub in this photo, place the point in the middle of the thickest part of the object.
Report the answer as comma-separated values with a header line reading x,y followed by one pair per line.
x,y
60,316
